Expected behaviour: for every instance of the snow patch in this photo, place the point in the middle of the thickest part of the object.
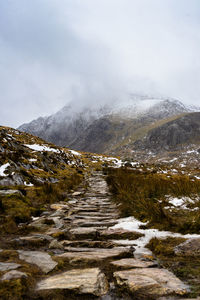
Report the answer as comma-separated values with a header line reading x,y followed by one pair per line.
x,y
37,147
133,224
75,152
3,168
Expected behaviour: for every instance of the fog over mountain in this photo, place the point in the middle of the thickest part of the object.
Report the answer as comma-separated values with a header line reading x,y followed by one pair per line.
x,y
95,52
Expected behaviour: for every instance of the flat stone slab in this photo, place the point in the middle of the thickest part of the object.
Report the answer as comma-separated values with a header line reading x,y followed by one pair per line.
x,y
96,255
88,244
8,266
81,281
42,259
84,232
129,263
190,247
120,234
13,275
150,282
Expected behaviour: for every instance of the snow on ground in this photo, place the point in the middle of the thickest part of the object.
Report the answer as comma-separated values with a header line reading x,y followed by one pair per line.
x,y
37,147
176,201
3,168
75,152
133,224
32,159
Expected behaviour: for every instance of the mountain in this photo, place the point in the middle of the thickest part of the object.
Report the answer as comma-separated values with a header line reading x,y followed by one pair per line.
x,y
106,129
172,135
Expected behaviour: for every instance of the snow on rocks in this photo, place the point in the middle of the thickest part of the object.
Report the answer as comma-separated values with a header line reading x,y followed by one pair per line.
x,y
75,152
3,169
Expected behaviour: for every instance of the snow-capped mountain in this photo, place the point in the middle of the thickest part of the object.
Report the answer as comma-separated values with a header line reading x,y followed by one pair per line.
x,y
105,128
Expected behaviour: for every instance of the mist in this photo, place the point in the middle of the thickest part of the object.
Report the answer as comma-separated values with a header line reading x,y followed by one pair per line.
x,y
95,52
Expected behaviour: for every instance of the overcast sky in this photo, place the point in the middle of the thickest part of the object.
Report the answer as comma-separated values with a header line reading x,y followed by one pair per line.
x,y
89,51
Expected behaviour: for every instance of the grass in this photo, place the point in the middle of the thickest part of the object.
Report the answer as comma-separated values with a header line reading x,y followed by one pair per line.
x,y
15,209
143,194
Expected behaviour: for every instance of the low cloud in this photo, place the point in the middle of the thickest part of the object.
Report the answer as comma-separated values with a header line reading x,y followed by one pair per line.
x,y
55,52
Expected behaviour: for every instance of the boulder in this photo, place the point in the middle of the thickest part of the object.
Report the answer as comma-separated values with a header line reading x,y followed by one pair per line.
x,y
80,281
189,248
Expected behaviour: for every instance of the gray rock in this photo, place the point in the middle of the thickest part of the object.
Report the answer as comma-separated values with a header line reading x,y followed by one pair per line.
x,y
84,281
13,275
8,266
42,259
10,192
150,282
189,248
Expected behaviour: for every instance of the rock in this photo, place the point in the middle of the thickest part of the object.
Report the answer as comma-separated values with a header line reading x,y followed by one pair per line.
x,y
88,244
55,245
129,263
94,255
59,206
10,192
42,259
189,248
120,234
77,194
33,240
8,266
84,232
13,275
80,281
150,282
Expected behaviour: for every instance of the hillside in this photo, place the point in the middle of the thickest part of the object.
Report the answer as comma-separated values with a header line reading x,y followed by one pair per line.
x,y
172,135
108,128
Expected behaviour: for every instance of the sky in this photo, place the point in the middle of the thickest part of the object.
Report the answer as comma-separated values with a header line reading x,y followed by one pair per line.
x,y
95,51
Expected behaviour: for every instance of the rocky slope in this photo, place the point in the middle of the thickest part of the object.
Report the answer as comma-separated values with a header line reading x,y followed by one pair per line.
x,y
106,129
173,135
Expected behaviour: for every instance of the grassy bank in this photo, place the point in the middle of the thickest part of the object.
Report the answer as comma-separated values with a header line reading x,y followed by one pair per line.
x,y
32,201
145,195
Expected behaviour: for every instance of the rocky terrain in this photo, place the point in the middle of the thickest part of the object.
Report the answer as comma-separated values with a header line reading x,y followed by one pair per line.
x,y
111,129
172,135
79,250
78,225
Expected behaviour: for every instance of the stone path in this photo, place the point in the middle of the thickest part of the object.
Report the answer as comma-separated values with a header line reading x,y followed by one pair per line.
x,y
86,259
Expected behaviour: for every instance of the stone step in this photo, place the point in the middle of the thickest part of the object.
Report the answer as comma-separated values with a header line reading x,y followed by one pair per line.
x,y
80,281
106,223
130,263
89,244
149,283
95,256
